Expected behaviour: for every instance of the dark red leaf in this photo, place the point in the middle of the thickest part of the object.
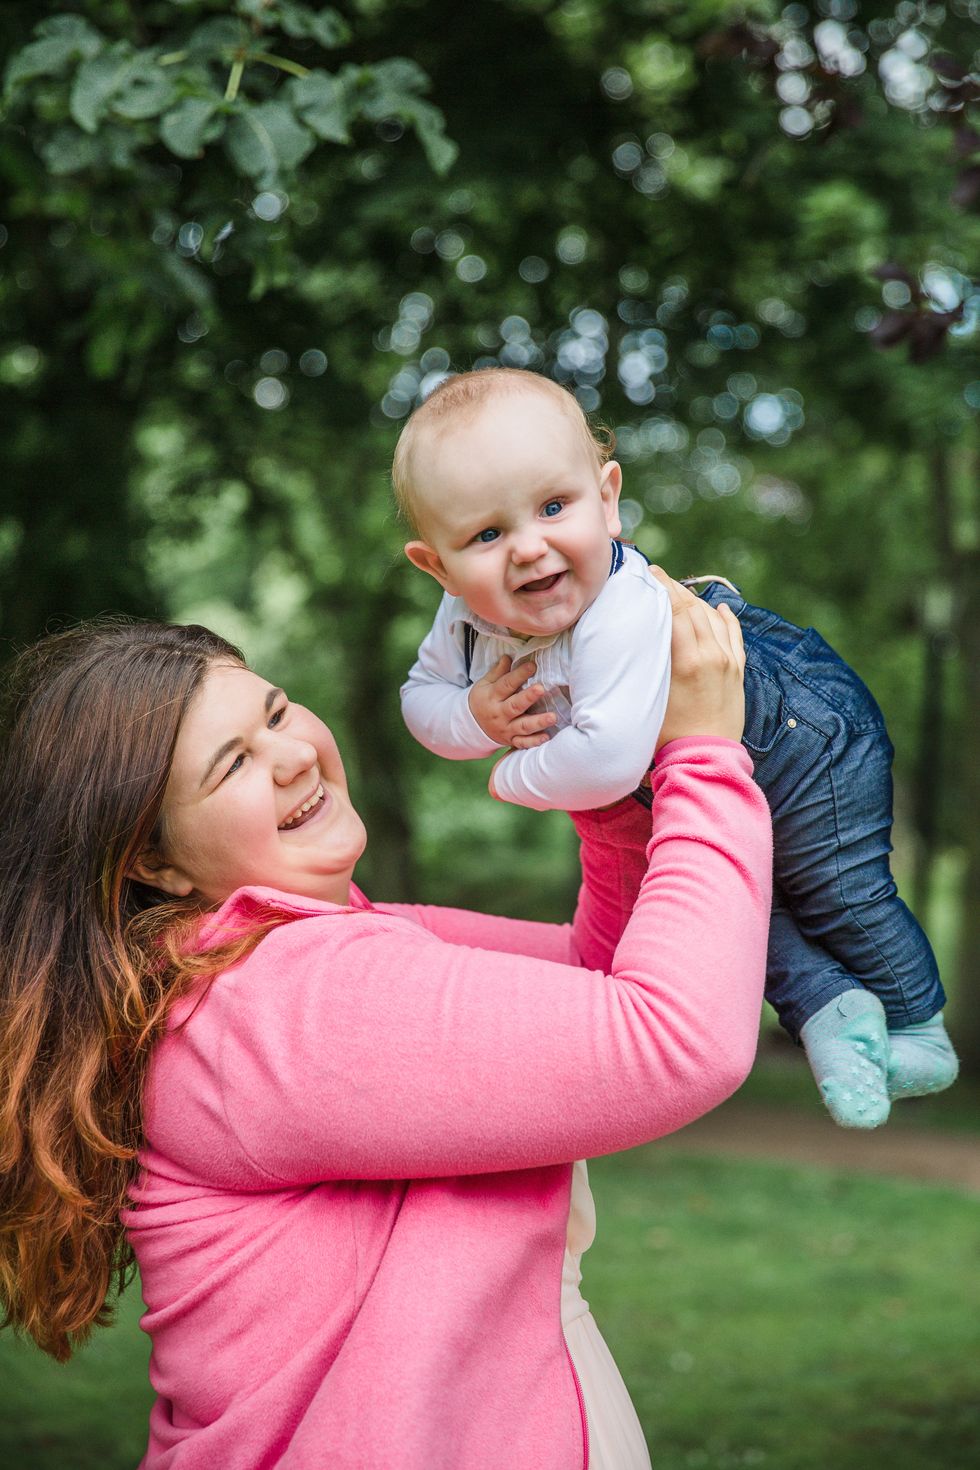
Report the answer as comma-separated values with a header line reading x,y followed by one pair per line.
x,y
966,192
928,335
738,40
947,67
893,327
966,141
892,271
851,112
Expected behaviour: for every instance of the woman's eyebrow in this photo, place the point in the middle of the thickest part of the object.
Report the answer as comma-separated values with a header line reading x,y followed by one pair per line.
x,y
271,696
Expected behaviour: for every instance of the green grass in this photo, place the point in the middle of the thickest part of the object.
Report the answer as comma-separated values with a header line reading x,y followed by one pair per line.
x,y
789,1317
762,1315
87,1415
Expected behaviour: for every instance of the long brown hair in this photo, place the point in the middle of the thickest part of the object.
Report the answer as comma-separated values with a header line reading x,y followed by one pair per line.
x,y
90,959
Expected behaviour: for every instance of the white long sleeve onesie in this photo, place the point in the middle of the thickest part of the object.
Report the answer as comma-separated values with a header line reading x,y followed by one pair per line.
x,y
607,678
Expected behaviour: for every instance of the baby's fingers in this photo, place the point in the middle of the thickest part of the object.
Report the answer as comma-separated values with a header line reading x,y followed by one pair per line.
x,y
530,725
523,699
528,742
512,679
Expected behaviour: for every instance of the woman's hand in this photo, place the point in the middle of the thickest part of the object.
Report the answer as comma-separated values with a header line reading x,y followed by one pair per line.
x,y
706,670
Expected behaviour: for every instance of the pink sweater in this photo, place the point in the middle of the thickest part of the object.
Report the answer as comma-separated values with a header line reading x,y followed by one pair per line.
x,y
350,1221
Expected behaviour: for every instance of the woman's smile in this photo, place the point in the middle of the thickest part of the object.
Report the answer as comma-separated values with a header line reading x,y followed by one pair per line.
x,y
309,808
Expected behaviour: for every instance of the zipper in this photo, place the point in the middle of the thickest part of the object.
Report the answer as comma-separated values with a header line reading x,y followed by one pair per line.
x,y
581,1407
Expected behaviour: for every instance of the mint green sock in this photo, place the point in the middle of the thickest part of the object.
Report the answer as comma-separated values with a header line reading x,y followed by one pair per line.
x,y
846,1044
922,1059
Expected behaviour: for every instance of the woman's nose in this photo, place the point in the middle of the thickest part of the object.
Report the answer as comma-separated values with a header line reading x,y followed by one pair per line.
x,y
292,759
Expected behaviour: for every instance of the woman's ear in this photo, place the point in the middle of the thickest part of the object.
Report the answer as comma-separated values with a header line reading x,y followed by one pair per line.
x,y
150,868
427,559
610,485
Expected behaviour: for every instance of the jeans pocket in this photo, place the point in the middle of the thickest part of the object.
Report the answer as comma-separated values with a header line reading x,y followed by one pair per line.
x,y
767,712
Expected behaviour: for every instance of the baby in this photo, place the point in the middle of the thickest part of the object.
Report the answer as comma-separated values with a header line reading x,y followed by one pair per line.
x,y
552,641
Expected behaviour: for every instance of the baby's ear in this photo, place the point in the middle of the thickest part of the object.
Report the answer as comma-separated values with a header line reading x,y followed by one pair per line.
x,y
427,559
610,485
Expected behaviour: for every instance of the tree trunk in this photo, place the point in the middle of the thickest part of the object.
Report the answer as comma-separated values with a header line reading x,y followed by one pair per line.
x,y
967,1014
382,798
928,766
67,491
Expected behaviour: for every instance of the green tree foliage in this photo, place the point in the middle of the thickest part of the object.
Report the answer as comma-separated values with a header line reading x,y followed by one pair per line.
x,y
239,246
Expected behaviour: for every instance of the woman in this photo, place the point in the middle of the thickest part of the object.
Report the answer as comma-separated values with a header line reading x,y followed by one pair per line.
x,y
343,1131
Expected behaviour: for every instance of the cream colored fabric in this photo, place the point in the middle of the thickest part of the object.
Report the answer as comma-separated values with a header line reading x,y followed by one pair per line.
x,y
615,1438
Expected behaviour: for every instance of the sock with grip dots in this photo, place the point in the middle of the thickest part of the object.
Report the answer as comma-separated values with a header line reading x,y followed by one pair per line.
x,y
922,1059
846,1044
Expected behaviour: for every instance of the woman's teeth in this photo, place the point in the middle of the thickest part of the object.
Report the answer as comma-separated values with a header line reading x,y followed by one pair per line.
x,y
307,806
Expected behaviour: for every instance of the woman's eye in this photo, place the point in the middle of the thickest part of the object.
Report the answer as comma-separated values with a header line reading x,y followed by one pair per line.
x,y
236,765
277,717
554,507
490,534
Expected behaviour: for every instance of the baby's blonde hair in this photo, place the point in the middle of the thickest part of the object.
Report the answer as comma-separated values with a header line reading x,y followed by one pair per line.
x,y
463,395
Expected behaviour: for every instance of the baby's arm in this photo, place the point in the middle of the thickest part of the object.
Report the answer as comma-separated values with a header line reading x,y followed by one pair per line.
x,y
435,703
620,679
462,722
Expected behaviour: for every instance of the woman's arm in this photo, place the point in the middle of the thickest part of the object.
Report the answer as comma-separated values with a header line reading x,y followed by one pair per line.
x,y
613,859
527,937
355,1046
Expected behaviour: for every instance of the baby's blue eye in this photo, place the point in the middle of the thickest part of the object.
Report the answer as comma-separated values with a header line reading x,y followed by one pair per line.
x,y
554,507
488,535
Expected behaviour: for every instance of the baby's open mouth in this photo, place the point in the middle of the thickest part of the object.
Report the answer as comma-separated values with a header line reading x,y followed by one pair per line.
x,y
542,584
303,813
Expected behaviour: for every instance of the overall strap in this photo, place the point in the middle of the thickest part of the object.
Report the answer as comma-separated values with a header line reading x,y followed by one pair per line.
x,y
469,646
617,556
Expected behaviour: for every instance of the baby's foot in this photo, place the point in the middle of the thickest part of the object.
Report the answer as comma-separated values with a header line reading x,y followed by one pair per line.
x,y
922,1059
846,1044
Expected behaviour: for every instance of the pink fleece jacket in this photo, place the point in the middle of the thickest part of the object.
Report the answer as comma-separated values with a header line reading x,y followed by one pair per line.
x,y
350,1220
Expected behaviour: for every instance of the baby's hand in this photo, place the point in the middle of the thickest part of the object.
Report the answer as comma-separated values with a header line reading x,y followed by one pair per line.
x,y
499,704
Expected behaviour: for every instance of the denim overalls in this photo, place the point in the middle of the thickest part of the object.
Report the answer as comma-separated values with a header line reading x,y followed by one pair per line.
x,y
823,758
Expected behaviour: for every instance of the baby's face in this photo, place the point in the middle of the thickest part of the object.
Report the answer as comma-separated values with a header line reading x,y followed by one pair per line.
x,y
517,514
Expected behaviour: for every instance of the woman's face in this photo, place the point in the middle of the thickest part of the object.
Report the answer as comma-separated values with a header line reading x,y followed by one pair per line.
x,y
257,795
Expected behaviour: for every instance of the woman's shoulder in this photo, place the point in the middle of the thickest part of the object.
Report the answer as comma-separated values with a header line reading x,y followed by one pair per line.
x,y
255,906
304,939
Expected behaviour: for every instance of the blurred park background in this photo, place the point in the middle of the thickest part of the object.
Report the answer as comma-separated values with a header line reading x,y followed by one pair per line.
x,y
241,239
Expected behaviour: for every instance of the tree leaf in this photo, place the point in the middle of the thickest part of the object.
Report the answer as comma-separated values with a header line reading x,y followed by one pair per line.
x,y
216,36
391,89
323,103
106,345
265,139
325,26
96,83
148,90
61,40
430,127
190,125
386,86
67,151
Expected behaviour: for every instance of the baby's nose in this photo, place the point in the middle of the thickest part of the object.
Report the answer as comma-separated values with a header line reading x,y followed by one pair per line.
x,y
529,545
